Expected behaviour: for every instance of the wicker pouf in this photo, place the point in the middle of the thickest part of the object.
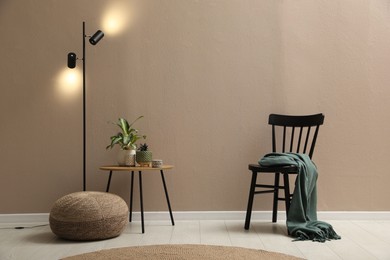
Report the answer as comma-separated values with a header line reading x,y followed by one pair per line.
x,y
88,215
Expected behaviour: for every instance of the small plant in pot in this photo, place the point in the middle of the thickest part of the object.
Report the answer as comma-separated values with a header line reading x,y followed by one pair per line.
x,y
126,139
144,156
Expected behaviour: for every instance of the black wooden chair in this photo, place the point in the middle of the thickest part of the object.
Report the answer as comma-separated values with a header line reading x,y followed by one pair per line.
x,y
297,134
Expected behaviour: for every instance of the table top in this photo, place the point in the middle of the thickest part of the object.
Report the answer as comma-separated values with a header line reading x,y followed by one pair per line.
x,y
134,168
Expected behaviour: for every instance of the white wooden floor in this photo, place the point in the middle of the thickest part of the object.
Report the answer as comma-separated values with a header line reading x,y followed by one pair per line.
x,y
360,239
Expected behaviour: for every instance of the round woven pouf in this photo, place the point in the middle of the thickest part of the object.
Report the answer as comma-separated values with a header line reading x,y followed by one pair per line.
x,y
88,215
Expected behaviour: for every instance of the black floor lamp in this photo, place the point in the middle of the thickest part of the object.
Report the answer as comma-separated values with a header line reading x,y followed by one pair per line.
x,y
94,39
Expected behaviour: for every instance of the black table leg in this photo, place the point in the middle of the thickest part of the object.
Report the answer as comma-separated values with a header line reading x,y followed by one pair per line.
x,y
166,195
141,201
131,196
109,181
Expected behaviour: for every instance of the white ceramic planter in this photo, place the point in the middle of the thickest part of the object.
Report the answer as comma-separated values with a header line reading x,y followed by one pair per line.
x,y
126,157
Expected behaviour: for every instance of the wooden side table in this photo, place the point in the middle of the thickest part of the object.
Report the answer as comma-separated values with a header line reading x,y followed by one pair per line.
x,y
140,170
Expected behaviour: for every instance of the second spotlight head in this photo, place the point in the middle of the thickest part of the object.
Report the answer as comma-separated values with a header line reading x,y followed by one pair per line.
x,y
96,37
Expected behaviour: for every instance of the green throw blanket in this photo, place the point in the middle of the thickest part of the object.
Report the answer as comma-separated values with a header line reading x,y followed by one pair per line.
x,y
302,220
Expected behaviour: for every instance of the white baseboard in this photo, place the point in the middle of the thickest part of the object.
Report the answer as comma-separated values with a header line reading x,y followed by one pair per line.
x,y
262,215
24,218
212,215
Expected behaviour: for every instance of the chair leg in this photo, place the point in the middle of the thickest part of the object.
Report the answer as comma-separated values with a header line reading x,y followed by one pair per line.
x,y
286,194
276,198
286,191
250,200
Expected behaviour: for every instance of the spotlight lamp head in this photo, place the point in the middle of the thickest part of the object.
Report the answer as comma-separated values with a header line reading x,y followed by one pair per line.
x,y
96,37
72,60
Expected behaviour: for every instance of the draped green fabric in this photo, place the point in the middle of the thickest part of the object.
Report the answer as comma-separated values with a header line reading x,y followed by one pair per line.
x,y
302,220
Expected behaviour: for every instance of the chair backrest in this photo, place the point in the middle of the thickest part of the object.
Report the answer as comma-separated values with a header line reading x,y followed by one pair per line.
x,y
298,133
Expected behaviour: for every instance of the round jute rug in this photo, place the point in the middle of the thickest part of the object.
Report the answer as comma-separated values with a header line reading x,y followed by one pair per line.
x,y
176,252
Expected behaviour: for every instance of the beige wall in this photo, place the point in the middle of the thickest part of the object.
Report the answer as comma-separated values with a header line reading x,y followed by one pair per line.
x,y
205,74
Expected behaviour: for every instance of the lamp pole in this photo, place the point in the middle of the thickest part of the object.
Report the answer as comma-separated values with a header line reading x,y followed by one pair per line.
x,y
84,115
72,57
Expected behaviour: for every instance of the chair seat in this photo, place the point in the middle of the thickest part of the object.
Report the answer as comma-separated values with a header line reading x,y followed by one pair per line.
x,y
280,169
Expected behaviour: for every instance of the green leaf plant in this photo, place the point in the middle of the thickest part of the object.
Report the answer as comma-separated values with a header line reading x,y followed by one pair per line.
x,y
128,136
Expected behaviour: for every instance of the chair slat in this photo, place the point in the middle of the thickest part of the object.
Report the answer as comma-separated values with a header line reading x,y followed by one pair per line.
x,y
292,139
299,139
307,139
273,139
284,139
314,141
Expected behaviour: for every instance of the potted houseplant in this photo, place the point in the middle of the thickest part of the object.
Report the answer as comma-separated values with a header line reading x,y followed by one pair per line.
x,y
143,156
126,139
